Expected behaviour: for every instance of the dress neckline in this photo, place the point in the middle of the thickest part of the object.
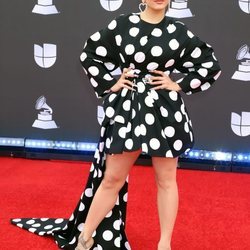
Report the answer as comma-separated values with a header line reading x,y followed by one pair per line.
x,y
154,24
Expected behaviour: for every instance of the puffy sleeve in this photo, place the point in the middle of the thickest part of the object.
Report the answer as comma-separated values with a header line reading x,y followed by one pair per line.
x,y
100,57
198,63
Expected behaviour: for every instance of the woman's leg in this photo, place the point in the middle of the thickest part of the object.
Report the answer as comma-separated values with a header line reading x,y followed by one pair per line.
x,y
117,169
167,197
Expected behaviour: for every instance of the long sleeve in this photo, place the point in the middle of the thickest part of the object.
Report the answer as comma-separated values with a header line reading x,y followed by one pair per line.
x,y
198,63
100,57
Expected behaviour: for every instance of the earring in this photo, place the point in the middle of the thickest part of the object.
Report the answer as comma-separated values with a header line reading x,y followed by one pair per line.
x,y
142,7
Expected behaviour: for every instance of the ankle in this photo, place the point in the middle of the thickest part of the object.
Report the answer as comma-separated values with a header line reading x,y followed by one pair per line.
x,y
164,245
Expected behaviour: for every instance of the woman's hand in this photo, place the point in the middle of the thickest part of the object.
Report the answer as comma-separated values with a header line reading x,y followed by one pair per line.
x,y
123,82
163,81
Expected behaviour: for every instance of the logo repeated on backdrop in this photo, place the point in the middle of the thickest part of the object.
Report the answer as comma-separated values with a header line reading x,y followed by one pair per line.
x,y
179,9
45,56
45,7
240,124
243,72
111,5
44,119
245,5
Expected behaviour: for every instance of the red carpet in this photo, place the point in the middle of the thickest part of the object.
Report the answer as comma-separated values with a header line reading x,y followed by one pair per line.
x,y
214,210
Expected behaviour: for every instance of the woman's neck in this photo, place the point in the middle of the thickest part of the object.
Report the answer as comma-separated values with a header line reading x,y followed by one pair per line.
x,y
152,16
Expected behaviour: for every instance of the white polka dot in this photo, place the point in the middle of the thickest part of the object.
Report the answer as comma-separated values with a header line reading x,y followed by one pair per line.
x,y
182,53
93,70
129,143
71,217
122,57
29,222
207,65
171,28
48,227
154,94
144,147
191,136
196,52
80,227
16,220
110,112
83,56
72,241
89,192
110,66
195,83
186,127
32,230
178,116
169,131
141,87
108,215
169,63
164,111
169,154
173,95
154,143
134,31
41,233
59,221
137,131
93,82
96,36
118,40
107,77
81,207
112,97
178,145
127,246
122,132
156,51
205,86
190,34
126,105
156,32
125,197
134,19
143,40
143,129
149,101
188,64
130,49
119,119
36,225
112,25
140,57
101,51
163,134
117,224
203,72
124,92
183,109
133,113
217,75
19,225
173,44
152,66
117,242
149,118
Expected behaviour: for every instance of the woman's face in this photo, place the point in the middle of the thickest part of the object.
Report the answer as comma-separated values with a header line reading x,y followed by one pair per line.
x,y
157,4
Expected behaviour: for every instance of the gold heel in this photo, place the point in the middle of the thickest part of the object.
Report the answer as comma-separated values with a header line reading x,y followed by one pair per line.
x,y
83,244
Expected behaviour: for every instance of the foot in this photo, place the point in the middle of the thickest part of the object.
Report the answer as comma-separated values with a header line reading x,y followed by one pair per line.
x,y
84,244
163,247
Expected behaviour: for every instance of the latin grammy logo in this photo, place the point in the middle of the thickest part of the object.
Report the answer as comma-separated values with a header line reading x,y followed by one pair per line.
x,y
240,124
44,120
111,5
45,56
179,9
45,7
243,72
245,6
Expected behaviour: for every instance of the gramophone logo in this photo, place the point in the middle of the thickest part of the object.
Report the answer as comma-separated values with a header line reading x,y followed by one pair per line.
x,y
44,119
245,5
111,5
45,7
243,72
179,9
240,124
45,56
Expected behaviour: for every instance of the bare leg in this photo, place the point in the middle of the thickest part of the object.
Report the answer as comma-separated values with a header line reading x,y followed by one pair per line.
x,y
117,169
167,197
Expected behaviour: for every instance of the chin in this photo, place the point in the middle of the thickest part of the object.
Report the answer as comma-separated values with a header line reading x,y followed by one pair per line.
x,y
159,5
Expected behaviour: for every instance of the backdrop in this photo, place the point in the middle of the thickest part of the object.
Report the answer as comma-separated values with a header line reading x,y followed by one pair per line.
x,y
40,71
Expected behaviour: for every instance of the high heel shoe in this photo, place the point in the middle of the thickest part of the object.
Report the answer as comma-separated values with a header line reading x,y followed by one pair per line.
x,y
83,244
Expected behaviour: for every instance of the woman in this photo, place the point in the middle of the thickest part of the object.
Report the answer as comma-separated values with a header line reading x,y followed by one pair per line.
x,y
144,112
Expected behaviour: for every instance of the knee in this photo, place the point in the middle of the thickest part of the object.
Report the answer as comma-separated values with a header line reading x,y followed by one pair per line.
x,y
166,184
112,182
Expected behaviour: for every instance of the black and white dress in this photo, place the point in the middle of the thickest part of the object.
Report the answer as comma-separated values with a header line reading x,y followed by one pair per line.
x,y
154,120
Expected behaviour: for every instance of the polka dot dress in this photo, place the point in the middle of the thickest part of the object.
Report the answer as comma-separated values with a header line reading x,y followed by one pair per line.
x,y
155,121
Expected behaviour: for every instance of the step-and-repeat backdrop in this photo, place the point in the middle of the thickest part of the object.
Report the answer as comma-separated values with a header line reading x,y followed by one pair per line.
x,y
44,93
